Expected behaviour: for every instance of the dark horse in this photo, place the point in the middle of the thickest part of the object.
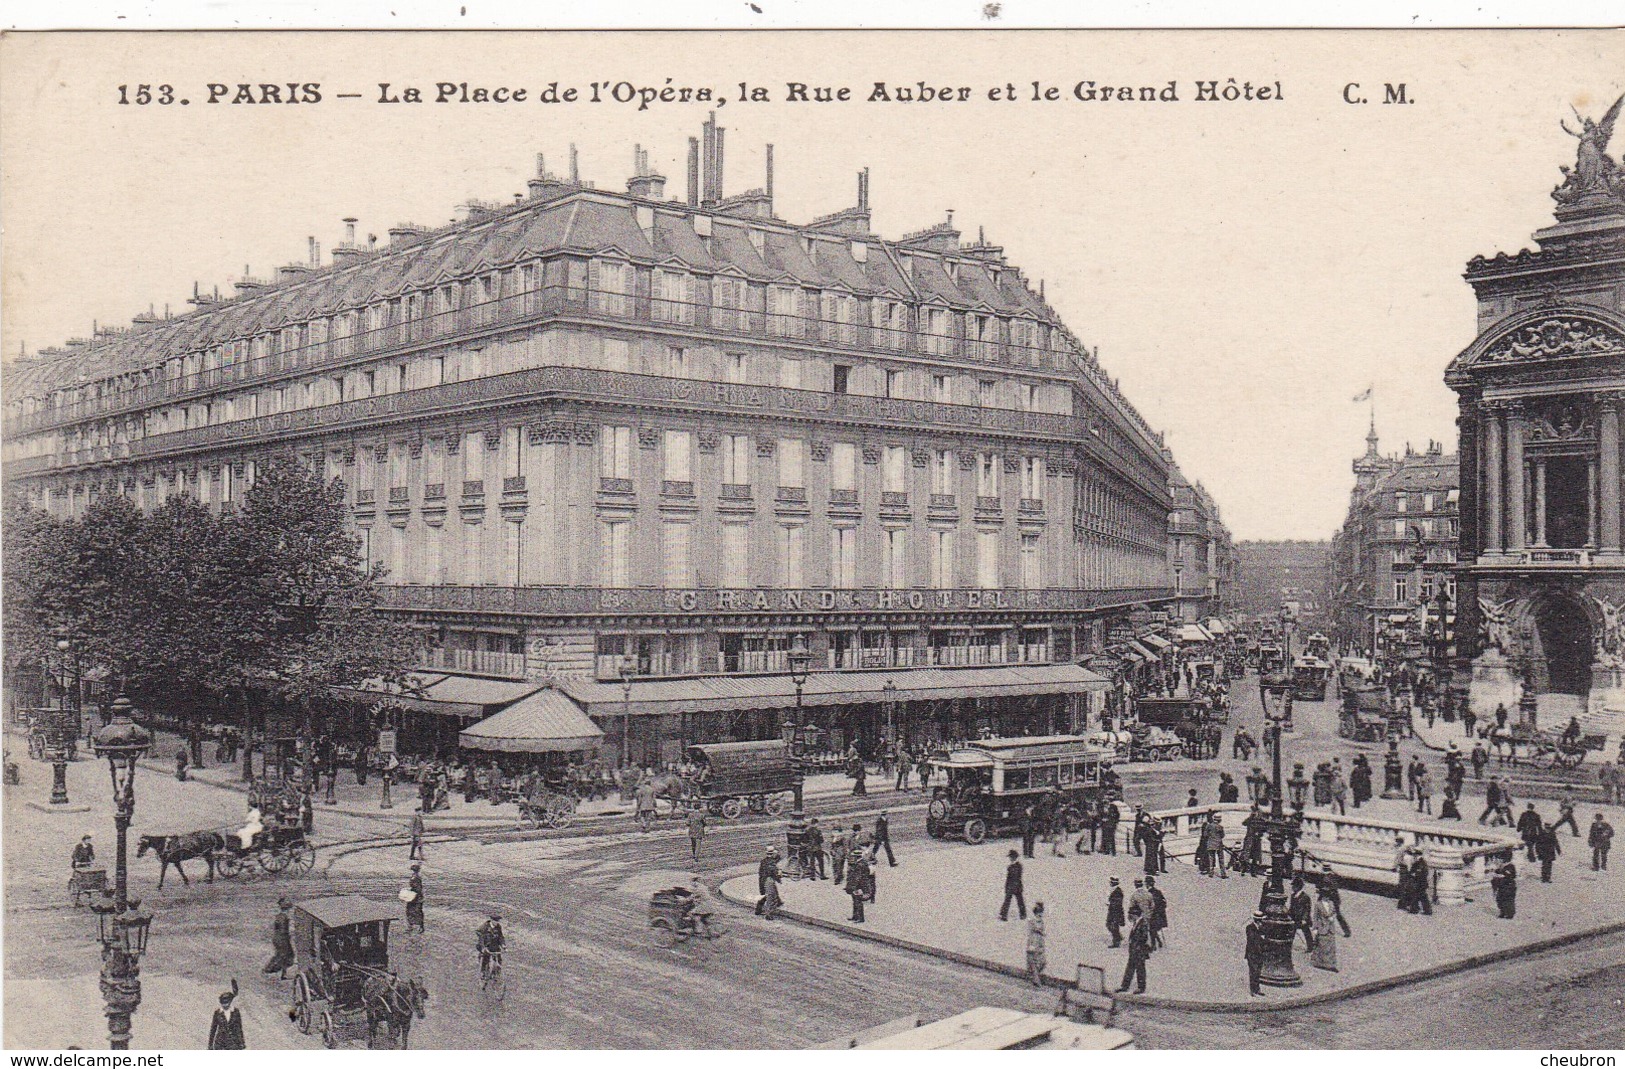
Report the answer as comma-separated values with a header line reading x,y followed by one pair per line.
x,y
392,1002
173,849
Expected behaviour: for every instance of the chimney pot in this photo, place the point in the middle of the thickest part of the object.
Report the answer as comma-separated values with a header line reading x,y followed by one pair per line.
x,y
349,229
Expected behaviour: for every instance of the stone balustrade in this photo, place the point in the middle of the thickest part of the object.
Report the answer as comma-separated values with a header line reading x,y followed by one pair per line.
x,y
1361,848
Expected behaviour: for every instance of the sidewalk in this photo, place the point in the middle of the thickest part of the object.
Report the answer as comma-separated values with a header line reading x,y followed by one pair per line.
x,y
366,802
945,901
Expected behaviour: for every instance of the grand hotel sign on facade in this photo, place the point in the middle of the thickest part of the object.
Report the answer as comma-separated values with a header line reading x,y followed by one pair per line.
x,y
598,601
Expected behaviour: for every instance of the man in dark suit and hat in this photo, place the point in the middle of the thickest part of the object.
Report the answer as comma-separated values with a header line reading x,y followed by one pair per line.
x,y
226,1029
1114,913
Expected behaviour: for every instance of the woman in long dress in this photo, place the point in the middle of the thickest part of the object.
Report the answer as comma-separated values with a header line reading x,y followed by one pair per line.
x,y
1324,955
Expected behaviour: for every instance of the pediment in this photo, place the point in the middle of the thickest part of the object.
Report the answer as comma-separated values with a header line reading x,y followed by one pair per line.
x,y
1546,334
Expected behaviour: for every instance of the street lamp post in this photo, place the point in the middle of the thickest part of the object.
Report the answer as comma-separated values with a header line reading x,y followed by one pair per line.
x,y
888,698
1278,970
629,668
60,737
800,663
122,742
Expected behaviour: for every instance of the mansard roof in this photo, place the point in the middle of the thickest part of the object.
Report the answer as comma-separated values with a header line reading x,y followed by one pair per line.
x,y
582,221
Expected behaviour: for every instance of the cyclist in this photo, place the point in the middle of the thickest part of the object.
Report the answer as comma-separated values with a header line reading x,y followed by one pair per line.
x,y
490,940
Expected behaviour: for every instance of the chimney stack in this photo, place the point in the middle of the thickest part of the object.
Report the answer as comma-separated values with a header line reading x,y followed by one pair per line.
x,y
769,188
708,160
863,190
721,130
315,250
693,172
349,230
575,166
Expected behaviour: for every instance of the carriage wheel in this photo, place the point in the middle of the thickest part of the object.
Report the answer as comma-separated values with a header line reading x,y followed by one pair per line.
x,y
731,808
975,830
303,858
714,807
937,810
302,1017
774,804
275,860
665,933
757,803
229,865
330,1038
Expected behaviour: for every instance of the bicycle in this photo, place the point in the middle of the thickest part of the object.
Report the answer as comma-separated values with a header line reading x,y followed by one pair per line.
x,y
491,981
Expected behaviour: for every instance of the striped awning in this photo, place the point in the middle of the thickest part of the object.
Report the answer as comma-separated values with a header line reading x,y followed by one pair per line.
x,y
737,693
547,721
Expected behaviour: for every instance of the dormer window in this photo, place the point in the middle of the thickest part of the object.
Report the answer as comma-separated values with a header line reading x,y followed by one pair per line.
x,y
860,252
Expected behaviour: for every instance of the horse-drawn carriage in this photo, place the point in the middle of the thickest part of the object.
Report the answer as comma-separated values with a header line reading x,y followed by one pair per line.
x,y
546,807
1175,726
281,847
277,847
1550,749
1366,714
988,785
344,986
731,777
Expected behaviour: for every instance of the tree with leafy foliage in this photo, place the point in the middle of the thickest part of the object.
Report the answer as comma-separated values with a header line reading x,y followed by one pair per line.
x,y
309,597
195,612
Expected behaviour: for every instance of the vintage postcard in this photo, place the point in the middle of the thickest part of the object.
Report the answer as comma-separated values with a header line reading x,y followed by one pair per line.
x,y
514,540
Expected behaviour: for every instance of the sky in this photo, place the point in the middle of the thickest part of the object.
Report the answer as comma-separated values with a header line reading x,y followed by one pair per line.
x,y
1245,268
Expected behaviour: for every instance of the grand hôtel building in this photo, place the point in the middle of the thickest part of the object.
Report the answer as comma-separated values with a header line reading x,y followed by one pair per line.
x,y
635,446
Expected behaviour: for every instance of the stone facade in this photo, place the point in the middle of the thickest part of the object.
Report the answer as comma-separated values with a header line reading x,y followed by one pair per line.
x,y
1401,508
1542,395
589,430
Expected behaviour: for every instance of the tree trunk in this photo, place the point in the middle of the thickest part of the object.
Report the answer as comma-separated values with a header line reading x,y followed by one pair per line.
x,y
195,732
248,736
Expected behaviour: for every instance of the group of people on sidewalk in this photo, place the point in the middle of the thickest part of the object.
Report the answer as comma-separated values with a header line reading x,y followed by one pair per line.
x,y
852,858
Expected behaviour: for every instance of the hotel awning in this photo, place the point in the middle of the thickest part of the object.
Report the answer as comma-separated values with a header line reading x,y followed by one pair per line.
x,y
736,693
1193,633
1142,652
1156,642
545,722
436,692
1216,626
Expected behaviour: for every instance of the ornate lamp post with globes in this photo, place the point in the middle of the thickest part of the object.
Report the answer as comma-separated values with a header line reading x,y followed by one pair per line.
x,y
800,663
1278,970
124,934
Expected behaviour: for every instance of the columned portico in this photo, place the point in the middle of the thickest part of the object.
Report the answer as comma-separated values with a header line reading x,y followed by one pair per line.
x,y
1608,465
1494,477
1517,480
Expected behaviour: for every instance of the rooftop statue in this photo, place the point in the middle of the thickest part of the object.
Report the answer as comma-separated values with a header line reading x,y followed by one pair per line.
x,y
1594,171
